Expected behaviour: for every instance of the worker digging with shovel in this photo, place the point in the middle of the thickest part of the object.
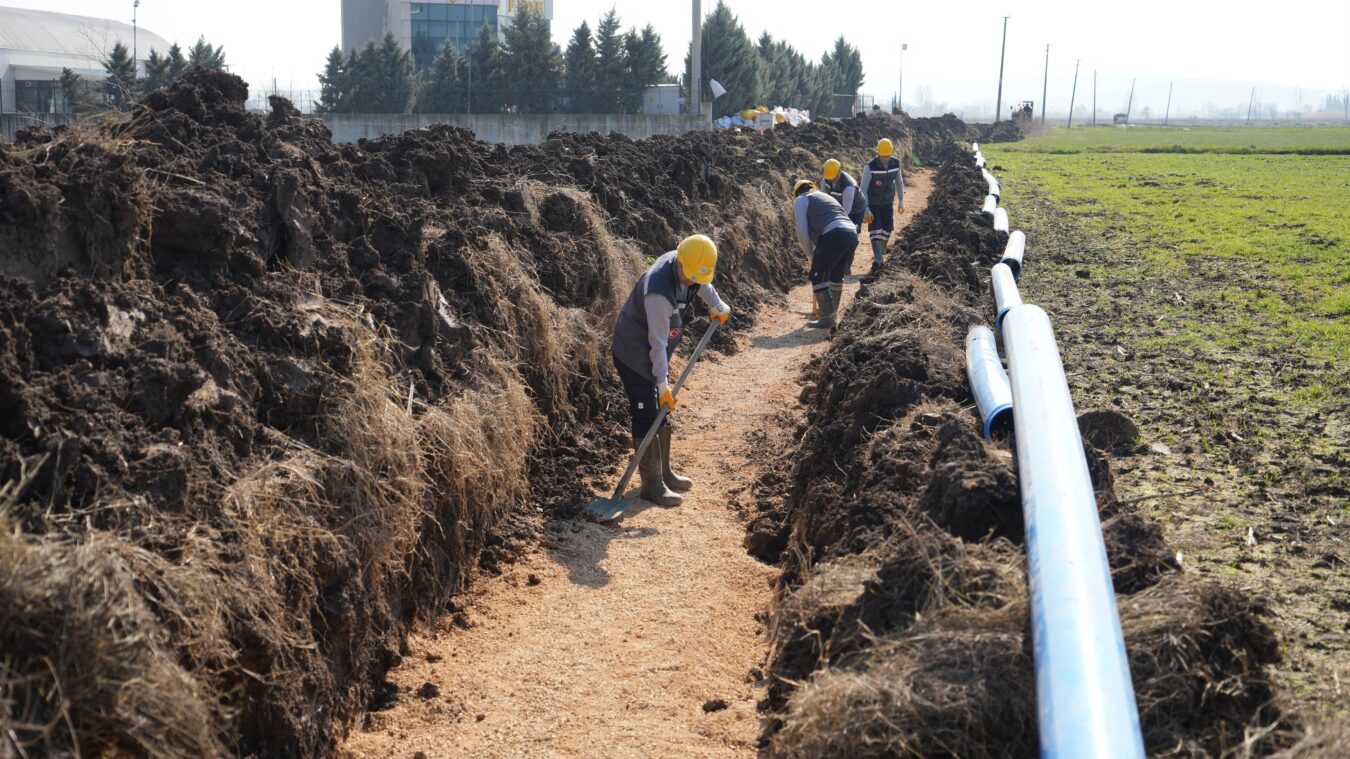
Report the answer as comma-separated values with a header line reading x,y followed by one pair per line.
x,y
648,329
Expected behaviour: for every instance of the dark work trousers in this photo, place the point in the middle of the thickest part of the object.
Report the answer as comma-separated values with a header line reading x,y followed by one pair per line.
x,y
833,257
883,222
642,401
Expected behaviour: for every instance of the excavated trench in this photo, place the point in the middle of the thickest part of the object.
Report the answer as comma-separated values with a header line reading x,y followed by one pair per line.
x,y
266,401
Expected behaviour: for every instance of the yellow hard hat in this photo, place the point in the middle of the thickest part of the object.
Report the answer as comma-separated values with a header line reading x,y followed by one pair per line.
x,y
801,186
697,255
885,148
831,169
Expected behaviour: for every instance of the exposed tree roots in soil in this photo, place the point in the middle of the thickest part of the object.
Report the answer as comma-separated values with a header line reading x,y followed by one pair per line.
x,y
901,620
265,400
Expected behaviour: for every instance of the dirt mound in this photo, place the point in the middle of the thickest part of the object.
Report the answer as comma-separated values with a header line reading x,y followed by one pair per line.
x,y
265,399
901,619
1003,131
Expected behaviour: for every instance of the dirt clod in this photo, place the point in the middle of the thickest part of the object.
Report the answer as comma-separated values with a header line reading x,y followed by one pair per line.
x,y
714,705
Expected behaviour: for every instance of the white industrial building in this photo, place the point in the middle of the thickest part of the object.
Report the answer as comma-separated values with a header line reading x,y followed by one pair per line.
x,y
423,28
36,45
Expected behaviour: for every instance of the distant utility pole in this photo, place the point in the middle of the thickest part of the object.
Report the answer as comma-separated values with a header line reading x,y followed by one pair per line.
x,y
1074,93
1129,104
1045,82
998,106
1249,106
696,63
1167,113
900,99
1094,97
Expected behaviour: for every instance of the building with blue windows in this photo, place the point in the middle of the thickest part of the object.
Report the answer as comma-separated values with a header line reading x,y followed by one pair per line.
x,y
424,28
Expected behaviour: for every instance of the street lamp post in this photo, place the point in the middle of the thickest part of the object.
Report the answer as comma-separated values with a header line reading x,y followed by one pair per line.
x,y
134,65
1045,83
696,62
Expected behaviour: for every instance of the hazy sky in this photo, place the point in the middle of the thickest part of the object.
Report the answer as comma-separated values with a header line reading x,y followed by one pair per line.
x,y
953,48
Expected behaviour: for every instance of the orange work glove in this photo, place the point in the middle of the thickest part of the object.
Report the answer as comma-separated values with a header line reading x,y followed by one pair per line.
x,y
667,401
721,313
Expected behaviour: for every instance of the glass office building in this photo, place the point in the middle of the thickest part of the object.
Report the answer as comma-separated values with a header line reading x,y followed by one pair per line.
x,y
424,28
435,24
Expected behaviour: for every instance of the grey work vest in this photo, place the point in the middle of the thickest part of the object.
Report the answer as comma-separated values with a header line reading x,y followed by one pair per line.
x,y
630,345
885,173
836,191
823,213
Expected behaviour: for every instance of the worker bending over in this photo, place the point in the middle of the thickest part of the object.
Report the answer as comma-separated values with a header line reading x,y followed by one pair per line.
x,y
882,184
829,239
843,187
646,334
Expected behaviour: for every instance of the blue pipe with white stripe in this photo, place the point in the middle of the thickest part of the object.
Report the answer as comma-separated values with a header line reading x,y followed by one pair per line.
x,y
1084,697
988,381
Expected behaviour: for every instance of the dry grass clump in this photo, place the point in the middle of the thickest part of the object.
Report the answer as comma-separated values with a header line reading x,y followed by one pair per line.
x,y
84,662
958,684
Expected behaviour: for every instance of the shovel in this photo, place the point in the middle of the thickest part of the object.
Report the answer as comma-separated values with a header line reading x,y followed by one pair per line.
x,y
610,509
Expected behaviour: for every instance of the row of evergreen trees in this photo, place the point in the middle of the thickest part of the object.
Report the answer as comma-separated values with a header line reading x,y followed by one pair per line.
x,y
525,72
601,72
771,72
124,84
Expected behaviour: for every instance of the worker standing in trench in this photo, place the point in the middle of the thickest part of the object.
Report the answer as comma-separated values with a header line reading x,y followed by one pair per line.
x,y
829,239
882,184
843,188
649,328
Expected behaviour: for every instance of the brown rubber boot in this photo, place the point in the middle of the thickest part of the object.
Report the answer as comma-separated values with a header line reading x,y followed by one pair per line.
x,y
653,484
673,481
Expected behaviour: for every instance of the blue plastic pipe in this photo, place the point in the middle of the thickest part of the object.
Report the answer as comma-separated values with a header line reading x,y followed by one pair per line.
x,y
1084,696
988,381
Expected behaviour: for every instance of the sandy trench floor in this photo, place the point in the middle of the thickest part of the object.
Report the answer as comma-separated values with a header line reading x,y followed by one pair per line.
x,y
608,640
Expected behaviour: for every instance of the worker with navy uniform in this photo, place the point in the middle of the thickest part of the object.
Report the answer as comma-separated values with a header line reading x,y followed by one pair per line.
x,y
882,184
829,238
844,188
648,329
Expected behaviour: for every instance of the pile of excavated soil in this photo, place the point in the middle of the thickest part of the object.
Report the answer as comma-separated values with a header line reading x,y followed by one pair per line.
x,y
901,621
264,399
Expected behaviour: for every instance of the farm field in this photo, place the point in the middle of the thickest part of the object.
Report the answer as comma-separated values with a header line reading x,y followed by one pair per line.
x,y
1199,282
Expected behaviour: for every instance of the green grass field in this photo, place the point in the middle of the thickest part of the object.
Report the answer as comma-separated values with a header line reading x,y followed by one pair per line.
x,y
1240,140
1284,214
1199,283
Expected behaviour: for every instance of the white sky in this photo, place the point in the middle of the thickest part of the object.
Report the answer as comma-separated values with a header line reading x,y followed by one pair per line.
x,y
953,47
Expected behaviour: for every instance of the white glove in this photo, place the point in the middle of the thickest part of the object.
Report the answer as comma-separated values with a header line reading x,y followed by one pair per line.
x,y
721,313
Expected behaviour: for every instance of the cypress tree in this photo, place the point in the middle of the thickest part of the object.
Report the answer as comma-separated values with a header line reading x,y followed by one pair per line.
x,y
731,58
610,64
120,86
485,75
156,71
646,65
846,64
442,87
334,84
177,63
534,63
579,63
204,55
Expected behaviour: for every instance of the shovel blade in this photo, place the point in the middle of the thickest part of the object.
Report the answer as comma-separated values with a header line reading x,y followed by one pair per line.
x,y
606,509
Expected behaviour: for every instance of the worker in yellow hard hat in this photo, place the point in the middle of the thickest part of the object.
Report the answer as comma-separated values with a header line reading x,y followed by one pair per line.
x,y
648,329
882,184
841,186
828,238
